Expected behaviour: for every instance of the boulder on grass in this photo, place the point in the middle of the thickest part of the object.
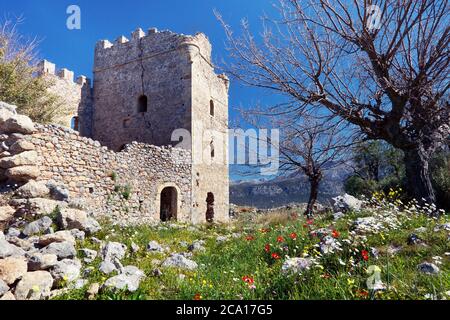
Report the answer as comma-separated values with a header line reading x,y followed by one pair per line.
x,y
32,189
34,286
346,203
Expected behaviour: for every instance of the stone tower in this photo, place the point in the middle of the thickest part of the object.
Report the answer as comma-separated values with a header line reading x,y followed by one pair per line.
x,y
157,87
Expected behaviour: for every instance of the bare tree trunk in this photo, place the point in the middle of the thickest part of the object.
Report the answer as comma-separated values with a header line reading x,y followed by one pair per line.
x,y
314,184
418,175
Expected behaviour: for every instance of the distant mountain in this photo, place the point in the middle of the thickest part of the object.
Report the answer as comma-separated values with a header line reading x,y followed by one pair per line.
x,y
286,189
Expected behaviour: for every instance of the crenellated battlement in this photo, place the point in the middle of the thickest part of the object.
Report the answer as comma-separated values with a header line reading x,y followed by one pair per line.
x,y
46,67
142,45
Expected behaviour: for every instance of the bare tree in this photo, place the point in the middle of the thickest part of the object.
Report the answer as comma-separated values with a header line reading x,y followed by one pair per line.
x,y
313,147
382,66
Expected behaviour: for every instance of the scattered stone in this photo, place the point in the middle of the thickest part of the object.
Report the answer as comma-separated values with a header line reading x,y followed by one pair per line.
x,y
180,261
18,124
4,288
346,203
27,158
88,271
42,206
154,246
94,240
58,192
78,234
445,226
37,227
12,269
393,250
112,251
222,238
129,279
107,267
296,265
63,250
6,214
66,270
34,286
89,255
13,232
32,189
39,261
77,284
9,250
428,268
60,236
197,246
77,219
134,248
92,291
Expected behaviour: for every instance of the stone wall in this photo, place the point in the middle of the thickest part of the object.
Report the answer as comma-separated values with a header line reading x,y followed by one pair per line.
x,y
156,65
75,97
124,186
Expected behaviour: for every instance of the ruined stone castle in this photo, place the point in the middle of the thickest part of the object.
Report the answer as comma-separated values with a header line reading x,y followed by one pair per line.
x,y
146,140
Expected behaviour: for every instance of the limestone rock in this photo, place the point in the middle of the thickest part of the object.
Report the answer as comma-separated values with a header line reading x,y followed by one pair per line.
x,y
37,226
66,271
18,124
154,246
9,250
42,206
428,268
107,267
346,203
38,261
58,192
93,291
6,213
129,279
4,288
59,236
34,286
23,173
112,251
32,189
77,219
62,250
197,245
89,255
8,296
12,269
21,146
26,158
179,261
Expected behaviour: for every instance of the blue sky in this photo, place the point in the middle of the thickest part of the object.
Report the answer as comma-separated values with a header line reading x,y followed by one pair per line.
x,y
74,49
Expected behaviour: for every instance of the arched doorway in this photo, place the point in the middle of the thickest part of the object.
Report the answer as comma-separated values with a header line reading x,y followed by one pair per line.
x,y
168,204
210,207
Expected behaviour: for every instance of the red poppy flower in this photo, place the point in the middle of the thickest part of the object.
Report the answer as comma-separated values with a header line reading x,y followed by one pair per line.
x,y
309,221
280,239
293,236
267,248
365,255
249,238
248,279
335,234
276,256
197,296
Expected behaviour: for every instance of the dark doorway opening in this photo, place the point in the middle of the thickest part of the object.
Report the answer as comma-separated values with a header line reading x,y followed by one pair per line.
x,y
210,207
168,206
142,104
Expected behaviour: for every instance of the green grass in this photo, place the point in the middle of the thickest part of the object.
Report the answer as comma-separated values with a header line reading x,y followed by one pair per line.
x,y
223,265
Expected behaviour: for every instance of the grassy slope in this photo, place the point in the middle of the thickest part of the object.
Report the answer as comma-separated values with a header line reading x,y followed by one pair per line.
x,y
338,275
